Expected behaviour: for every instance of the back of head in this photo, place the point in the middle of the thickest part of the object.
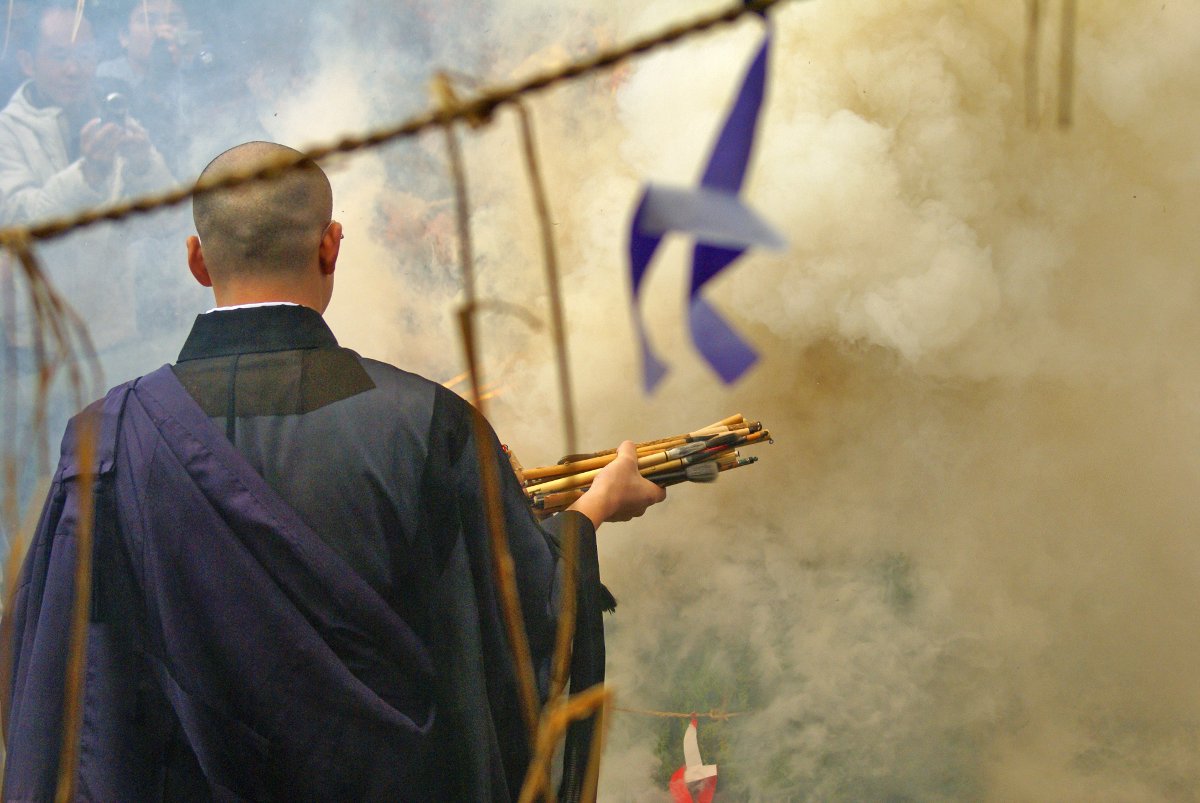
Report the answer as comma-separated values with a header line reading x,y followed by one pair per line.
x,y
266,229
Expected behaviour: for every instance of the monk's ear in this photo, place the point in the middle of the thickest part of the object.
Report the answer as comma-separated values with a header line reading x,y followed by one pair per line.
x,y
25,62
330,247
196,263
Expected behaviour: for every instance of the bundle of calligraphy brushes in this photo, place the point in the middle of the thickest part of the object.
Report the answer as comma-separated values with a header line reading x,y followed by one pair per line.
x,y
697,456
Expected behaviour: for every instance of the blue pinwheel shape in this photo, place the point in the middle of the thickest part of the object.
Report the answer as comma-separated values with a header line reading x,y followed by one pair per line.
x,y
723,228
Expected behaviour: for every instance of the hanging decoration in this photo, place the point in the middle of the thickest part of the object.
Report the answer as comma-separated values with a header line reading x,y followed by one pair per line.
x,y
722,225
695,781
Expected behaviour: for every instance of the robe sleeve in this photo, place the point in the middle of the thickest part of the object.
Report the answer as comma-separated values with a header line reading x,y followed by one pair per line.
x,y
461,544
117,739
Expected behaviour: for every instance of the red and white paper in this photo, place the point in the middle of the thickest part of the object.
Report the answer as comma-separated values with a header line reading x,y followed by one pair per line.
x,y
695,781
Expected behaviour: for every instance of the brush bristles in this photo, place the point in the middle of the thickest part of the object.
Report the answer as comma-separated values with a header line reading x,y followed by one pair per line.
x,y
703,472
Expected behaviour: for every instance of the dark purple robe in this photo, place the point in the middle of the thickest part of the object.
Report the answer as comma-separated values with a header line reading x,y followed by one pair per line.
x,y
234,655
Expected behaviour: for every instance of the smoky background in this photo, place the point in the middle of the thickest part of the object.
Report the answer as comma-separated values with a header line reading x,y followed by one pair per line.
x,y
966,569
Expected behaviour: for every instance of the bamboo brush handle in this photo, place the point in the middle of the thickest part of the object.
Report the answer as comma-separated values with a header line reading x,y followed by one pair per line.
x,y
581,478
599,461
724,425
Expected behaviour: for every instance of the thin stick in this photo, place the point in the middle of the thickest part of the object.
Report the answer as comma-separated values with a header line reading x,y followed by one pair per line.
x,y
1033,24
67,333
555,721
585,464
566,615
591,778
455,381
651,462
78,20
8,295
8,29
724,425
714,714
565,631
559,500
502,562
12,575
1066,65
558,329
77,652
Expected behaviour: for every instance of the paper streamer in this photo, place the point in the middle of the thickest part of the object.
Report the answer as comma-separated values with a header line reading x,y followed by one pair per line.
x,y
695,781
723,227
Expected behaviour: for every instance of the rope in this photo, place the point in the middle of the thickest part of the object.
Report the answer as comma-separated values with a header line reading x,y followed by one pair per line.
x,y
1034,17
476,110
719,716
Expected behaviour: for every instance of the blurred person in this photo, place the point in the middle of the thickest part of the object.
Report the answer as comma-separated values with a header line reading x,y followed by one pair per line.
x,y
159,49
294,595
62,149
192,102
157,40
58,149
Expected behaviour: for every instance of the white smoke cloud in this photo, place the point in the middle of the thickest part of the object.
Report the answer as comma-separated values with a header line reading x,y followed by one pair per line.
x,y
966,568
965,571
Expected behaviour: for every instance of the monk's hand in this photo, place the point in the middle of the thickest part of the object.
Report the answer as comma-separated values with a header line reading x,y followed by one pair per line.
x,y
619,492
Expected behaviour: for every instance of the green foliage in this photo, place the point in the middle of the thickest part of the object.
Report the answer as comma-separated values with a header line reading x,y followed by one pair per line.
x,y
705,681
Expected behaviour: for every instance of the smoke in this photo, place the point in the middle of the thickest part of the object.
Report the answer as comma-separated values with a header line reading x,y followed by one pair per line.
x,y
964,571
966,568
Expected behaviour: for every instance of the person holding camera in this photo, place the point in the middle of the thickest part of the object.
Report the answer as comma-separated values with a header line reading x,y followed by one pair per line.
x,y
191,103
64,147
153,73
61,148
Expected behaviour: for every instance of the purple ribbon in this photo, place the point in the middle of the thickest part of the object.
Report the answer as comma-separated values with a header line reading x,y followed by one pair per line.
x,y
641,250
715,339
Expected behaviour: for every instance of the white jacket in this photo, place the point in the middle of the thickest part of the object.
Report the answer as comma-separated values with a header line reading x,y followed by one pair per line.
x,y
93,267
37,178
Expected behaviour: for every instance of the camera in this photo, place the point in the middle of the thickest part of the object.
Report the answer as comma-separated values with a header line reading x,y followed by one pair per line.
x,y
114,109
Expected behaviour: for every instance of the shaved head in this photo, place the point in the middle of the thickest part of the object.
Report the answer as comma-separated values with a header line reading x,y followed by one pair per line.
x,y
263,228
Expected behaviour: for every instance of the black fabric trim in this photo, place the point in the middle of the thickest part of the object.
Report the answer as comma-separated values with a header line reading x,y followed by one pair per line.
x,y
233,363
587,660
283,327
273,384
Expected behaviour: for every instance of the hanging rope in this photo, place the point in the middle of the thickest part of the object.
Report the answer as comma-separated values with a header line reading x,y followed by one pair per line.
x,y
477,110
714,714
1065,88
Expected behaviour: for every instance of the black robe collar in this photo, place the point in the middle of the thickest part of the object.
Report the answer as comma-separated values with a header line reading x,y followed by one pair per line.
x,y
279,327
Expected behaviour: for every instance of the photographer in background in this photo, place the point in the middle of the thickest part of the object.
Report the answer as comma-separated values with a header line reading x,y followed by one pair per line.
x,y
57,152
170,74
62,149
159,49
